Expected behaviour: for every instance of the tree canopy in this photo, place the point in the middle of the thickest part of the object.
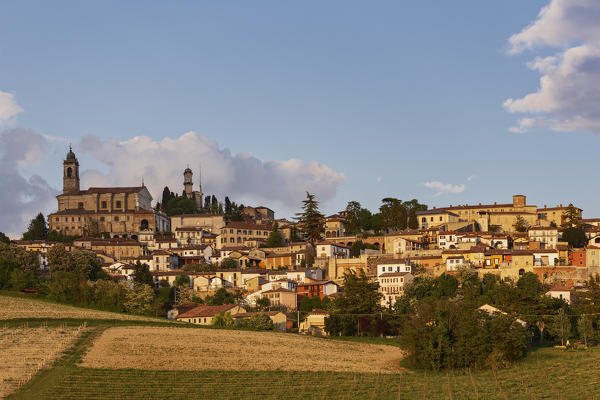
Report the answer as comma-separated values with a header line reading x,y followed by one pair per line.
x,y
37,229
310,220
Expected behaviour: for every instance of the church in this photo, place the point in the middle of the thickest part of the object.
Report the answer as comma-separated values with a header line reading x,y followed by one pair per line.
x,y
120,212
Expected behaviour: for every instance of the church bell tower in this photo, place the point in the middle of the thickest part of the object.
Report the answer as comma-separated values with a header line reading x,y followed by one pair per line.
x,y
70,173
187,183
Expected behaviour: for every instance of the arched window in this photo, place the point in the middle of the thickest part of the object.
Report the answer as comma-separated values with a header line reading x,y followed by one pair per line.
x,y
144,225
69,172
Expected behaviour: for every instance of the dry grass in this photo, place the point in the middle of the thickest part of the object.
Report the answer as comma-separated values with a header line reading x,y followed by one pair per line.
x,y
153,348
25,351
14,307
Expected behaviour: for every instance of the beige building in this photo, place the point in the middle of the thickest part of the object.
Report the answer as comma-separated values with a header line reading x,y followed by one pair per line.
x,y
391,286
314,324
546,236
281,297
259,214
436,217
203,315
238,233
208,222
117,211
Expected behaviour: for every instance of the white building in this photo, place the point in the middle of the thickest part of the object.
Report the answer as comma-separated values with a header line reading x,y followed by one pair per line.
x,y
332,250
447,240
391,286
560,292
453,263
388,267
547,236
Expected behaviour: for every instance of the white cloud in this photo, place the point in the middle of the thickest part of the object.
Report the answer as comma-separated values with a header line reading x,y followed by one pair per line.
x,y
379,179
8,107
471,177
443,188
558,24
568,98
21,198
243,177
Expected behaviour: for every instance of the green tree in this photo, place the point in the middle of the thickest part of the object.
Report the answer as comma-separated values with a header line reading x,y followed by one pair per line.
x,y
166,196
142,274
393,214
260,322
84,264
263,303
571,217
585,328
139,300
310,221
229,263
365,220
180,205
275,238
223,320
575,236
182,281
412,219
220,297
4,238
520,225
561,326
37,230
14,258
359,295
529,286
352,222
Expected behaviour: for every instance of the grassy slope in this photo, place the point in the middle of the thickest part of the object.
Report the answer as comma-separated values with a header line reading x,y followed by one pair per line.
x,y
544,374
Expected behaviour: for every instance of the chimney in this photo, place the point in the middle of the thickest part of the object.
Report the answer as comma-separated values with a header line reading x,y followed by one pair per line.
x,y
560,205
545,206
494,203
479,203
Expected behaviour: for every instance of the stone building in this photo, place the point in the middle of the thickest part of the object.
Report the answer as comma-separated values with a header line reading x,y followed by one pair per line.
x,y
116,211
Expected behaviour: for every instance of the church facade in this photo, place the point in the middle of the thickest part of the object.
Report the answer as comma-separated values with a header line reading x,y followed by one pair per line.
x,y
116,211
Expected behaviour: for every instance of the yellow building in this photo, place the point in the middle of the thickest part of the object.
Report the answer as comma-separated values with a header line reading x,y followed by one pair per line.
x,y
436,217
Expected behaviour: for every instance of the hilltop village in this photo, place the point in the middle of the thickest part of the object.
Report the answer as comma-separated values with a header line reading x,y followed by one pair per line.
x,y
205,247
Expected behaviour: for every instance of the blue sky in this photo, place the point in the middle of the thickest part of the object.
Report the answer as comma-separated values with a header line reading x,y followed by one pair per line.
x,y
390,94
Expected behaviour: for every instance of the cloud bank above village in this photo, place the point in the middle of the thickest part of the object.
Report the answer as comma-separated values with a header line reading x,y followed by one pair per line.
x,y
243,177
22,198
567,98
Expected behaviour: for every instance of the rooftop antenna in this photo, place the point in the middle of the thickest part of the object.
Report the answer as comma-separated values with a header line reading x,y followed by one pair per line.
x,y
142,181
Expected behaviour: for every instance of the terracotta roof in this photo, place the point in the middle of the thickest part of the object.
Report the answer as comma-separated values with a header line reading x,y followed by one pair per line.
x,y
434,211
252,314
161,253
206,311
279,290
390,274
248,225
559,289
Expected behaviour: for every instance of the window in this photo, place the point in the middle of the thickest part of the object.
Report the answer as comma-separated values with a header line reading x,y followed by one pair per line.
x,y
118,204
80,205
103,204
101,219
116,218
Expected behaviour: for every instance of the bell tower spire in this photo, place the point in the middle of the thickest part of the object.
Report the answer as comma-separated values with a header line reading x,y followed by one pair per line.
x,y
70,173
